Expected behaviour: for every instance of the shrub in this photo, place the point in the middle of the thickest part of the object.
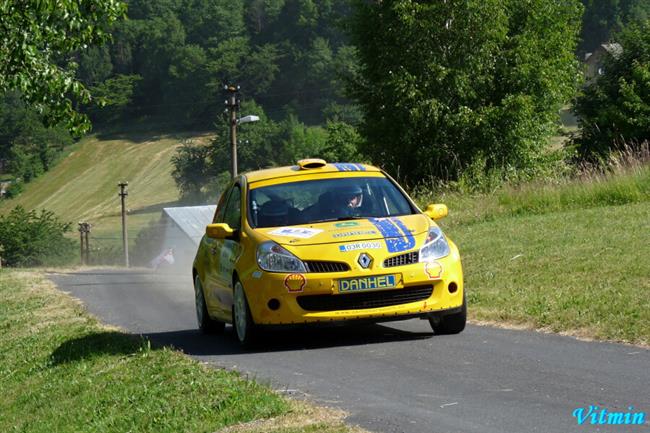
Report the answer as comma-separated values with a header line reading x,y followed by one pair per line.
x,y
32,238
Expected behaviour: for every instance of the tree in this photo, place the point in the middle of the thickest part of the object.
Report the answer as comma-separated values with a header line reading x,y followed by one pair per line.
x,y
25,143
37,35
201,171
443,84
615,109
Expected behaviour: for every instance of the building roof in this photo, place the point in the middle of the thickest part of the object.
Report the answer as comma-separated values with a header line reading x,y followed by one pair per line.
x,y
614,49
191,219
295,170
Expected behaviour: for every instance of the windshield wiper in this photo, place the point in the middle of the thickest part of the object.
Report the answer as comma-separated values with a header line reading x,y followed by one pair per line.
x,y
343,218
353,217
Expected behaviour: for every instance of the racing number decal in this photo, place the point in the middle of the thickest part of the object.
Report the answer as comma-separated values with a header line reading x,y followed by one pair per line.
x,y
397,236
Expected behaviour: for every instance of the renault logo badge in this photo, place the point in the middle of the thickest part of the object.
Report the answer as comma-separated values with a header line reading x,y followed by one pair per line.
x,y
364,260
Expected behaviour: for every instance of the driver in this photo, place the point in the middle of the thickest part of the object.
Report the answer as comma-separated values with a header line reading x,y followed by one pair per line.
x,y
350,198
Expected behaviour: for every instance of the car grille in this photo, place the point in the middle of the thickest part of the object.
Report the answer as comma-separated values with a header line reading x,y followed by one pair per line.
x,y
402,259
320,266
358,301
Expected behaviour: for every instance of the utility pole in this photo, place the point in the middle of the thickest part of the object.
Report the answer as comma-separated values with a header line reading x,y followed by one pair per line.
x,y
232,106
125,241
84,252
81,243
88,226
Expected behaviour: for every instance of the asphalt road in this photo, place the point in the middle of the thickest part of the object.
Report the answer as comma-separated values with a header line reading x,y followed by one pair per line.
x,y
394,377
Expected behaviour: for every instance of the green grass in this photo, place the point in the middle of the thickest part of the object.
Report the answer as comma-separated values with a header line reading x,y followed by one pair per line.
x,y
570,257
62,371
625,187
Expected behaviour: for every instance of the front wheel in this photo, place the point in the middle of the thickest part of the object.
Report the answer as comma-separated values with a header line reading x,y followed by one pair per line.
x,y
451,323
241,316
207,325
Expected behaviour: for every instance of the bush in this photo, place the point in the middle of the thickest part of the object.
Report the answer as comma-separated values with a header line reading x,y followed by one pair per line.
x,y
31,238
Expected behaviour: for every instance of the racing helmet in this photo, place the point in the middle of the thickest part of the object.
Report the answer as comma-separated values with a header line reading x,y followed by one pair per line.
x,y
350,196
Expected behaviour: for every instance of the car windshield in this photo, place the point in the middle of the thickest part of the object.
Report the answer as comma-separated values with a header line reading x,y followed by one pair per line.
x,y
335,199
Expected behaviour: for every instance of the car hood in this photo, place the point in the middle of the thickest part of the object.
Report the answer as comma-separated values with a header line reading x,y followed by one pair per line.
x,y
402,229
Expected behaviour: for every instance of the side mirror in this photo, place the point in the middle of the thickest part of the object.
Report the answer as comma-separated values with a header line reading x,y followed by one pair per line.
x,y
219,231
436,211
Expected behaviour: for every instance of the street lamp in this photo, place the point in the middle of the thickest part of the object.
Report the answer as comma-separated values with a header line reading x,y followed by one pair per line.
x,y
248,119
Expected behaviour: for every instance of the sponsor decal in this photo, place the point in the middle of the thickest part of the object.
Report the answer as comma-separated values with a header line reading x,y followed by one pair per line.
x,y
354,233
295,282
600,416
360,246
347,224
367,283
397,236
296,232
347,166
433,270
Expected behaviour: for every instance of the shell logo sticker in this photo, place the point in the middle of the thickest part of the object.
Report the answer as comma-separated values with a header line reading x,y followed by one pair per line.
x,y
433,270
295,282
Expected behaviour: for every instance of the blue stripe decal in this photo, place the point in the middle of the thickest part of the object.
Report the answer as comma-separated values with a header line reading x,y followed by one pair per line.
x,y
346,166
397,236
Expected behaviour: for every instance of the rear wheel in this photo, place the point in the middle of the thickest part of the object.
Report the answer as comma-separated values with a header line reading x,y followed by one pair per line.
x,y
207,325
242,320
450,323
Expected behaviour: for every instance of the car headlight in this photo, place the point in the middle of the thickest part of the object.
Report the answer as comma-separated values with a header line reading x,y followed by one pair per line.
x,y
273,258
435,246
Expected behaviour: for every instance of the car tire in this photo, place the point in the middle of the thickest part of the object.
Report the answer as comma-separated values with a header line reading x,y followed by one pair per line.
x,y
451,323
207,325
242,320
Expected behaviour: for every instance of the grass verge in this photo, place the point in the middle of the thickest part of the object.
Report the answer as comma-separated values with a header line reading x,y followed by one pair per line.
x,y
619,188
61,370
568,258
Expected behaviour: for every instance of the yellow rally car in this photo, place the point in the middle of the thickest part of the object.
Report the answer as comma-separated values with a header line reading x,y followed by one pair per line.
x,y
322,242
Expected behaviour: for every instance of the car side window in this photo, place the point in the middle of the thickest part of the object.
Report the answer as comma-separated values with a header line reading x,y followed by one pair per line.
x,y
232,214
221,207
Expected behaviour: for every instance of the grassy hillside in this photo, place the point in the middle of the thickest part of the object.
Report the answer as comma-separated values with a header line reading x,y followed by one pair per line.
x,y
83,186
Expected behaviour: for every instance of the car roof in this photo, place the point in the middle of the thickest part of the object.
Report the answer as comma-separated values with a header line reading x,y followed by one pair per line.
x,y
296,170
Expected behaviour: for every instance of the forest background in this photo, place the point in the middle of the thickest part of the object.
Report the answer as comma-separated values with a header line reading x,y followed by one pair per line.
x,y
303,68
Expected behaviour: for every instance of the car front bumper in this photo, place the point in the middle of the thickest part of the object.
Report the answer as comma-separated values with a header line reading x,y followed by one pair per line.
x,y
285,299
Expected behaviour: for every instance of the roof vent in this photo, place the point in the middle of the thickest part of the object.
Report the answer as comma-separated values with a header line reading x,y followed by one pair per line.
x,y
306,164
